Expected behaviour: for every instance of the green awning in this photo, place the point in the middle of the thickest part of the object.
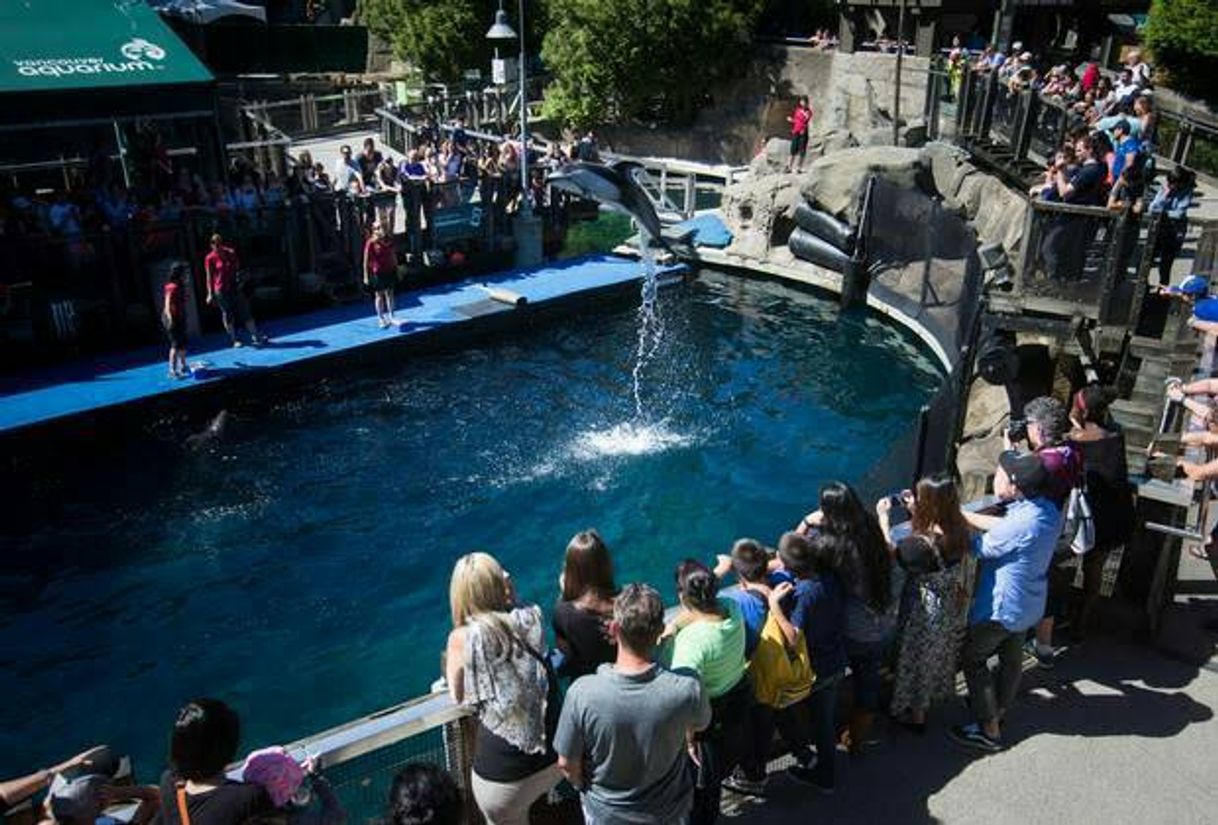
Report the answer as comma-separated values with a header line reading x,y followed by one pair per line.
x,y
62,45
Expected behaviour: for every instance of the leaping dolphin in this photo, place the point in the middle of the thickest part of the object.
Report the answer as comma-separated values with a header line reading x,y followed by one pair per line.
x,y
617,185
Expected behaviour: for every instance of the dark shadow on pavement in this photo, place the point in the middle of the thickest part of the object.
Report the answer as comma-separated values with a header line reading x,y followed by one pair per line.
x,y
1100,690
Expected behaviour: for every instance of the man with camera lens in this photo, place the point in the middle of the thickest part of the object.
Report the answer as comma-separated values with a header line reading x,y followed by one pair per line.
x,y
1045,427
1012,588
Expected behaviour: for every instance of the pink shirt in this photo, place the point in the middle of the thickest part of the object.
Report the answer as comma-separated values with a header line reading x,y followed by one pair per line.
x,y
800,119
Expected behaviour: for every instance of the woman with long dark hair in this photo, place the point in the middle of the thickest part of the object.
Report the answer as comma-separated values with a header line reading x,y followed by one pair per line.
x,y
583,613
1108,490
936,556
867,573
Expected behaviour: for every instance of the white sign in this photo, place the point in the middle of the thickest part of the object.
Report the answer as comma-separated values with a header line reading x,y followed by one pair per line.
x,y
139,55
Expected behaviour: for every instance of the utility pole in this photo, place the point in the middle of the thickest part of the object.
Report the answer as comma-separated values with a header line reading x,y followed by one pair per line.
x,y
896,97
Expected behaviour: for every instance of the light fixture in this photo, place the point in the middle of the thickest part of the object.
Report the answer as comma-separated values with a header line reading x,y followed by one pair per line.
x,y
501,29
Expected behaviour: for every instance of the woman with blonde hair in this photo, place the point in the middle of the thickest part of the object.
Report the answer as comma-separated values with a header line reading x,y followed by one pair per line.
x,y
495,662
937,559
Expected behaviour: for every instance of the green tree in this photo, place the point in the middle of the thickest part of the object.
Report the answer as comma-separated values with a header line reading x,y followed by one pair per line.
x,y
1183,38
654,60
444,38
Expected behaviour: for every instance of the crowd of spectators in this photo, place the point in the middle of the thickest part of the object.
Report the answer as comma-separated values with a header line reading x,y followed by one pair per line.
x,y
1106,157
648,717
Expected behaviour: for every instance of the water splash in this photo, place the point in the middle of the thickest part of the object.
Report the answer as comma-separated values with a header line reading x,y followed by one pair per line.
x,y
651,324
629,439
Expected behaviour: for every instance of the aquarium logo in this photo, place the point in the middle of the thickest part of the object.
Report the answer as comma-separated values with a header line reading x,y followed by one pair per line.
x,y
139,47
139,55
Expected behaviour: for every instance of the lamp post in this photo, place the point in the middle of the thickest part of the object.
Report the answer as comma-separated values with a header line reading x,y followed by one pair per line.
x,y
527,230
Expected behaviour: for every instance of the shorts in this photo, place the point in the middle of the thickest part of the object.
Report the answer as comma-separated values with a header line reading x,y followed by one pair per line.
x,y
176,334
385,281
799,144
232,307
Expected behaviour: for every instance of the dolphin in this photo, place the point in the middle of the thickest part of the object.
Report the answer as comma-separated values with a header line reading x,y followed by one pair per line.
x,y
210,436
616,185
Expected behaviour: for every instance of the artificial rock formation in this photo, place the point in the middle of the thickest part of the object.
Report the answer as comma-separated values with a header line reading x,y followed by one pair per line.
x,y
759,211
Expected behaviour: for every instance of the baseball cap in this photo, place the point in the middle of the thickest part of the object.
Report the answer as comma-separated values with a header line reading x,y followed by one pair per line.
x,y
1195,285
1026,470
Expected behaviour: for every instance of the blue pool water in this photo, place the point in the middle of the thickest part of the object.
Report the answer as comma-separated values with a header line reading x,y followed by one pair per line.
x,y
299,568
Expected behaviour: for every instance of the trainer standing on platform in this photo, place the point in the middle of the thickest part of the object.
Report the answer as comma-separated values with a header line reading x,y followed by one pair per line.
x,y
173,315
381,272
800,120
224,291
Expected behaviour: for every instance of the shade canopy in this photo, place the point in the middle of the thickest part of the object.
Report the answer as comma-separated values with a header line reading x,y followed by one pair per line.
x,y
60,45
76,62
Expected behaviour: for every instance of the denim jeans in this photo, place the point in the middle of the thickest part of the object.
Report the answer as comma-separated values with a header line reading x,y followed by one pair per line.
x,y
823,706
989,700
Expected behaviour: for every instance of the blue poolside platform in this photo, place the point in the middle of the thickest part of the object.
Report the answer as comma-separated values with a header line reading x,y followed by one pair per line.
x,y
105,383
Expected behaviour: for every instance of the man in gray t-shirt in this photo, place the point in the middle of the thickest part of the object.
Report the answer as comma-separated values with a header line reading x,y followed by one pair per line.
x,y
623,732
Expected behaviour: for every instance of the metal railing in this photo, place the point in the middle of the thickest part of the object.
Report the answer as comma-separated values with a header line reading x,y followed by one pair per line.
x,y
678,189
1083,259
310,114
1022,129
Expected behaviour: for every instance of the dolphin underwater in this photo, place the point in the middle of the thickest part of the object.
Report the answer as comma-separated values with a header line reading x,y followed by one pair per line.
x,y
617,185
212,435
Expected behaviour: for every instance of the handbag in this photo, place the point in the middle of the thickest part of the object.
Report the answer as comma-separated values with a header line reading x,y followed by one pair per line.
x,y
781,676
1079,527
553,698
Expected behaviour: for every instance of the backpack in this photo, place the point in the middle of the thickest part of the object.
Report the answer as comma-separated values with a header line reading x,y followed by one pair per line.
x,y
1079,528
781,676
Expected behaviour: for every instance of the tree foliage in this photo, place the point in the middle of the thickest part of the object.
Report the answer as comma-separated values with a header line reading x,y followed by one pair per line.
x,y
443,38
655,60
1183,38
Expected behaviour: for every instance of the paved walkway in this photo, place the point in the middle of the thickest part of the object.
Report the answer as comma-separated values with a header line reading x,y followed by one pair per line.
x,y
1117,733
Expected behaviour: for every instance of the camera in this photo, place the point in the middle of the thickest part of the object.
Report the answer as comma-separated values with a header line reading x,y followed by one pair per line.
x,y
1017,430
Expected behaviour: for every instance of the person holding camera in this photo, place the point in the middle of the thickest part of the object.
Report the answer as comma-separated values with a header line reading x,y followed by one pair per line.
x,y
1014,554
937,560
1046,428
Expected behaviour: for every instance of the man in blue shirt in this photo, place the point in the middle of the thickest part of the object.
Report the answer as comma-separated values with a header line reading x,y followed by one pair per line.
x,y
1010,598
1128,147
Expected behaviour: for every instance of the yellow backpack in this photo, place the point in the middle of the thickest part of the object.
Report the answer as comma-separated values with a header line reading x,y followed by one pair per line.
x,y
781,676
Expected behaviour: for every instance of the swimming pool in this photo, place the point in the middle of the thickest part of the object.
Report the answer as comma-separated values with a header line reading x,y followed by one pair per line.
x,y
299,568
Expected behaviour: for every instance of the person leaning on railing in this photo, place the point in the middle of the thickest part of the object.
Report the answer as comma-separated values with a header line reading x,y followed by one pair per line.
x,y
585,606
707,636
15,791
495,662
1172,203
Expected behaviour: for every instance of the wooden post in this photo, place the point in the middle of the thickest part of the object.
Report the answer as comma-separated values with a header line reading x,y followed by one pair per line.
x,y
691,195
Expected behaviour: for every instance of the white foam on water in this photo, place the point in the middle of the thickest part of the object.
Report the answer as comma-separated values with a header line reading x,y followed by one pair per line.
x,y
629,439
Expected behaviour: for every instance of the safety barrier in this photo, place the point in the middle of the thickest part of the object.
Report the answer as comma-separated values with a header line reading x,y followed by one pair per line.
x,y
1021,129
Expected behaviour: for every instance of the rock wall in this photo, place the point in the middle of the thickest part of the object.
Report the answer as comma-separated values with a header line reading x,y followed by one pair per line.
x,y
759,211
849,93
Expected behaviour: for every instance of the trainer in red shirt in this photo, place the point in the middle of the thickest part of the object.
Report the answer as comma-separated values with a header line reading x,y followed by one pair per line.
x,y
221,267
